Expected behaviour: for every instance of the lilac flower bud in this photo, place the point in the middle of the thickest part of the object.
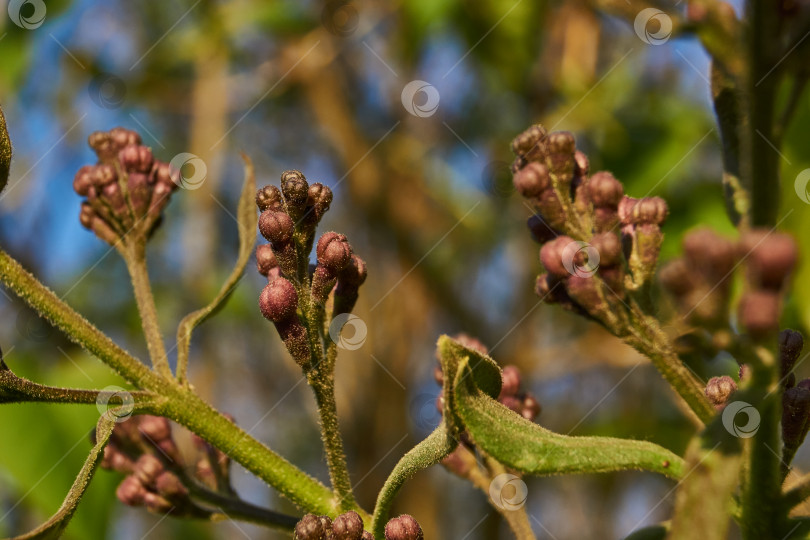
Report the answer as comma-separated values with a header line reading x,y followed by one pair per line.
x,y
269,198
157,504
83,180
530,143
404,527
348,526
561,142
719,390
278,300
676,277
323,280
169,486
319,198
795,414
295,338
103,174
114,459
121,137
160,197
333,251
770,257
609,248
581,164
155,428
276,227
136,159
585,292
613,278
532,180
530,407
511,381
551,255
512,403
711,255
605,190
605,219
265,259
140,192
649,210
549,206
131,491
625,209
456,464
102,145
147,469
367,536
791,344
309,528
759,313
295,189
350,278
540,230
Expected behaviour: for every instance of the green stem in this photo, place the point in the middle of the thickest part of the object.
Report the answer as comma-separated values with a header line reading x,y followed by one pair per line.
x,y
234,508
135,257
517,519
324,389
761,483
428,452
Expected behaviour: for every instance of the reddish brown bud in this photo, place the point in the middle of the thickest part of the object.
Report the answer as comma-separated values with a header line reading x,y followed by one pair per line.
x,y
333,251
791,344
561,142
269,198
551,255
157,504
710,254
295,338
265,259
83,180
625,209
276,227
676,277
511,381
581,164
530,142
512,403
348,526
170,486
719,390
278,300
323,280
609,248
319,198
122,137
530,407
532,179
604,190
649,210
309,528
770,256
295,189
147,469
404,527
155,428
795,412
136,159
759,313
130,491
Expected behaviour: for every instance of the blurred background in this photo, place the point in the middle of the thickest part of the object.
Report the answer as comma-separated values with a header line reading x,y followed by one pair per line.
x,y
423,191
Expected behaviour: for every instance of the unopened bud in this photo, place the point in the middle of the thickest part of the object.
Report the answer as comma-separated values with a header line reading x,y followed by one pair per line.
x,y
147,469
265,259
323,280
710,254
295,338
348,526
295,189
770,257
604,190
609,248
719,390
759,313
530,407
511,381
156,503
136,159
404,527
276,227
309,528
532,179
169,485
581,164
791,344
530,143
278,300
551,255
333,251
131,491
269,198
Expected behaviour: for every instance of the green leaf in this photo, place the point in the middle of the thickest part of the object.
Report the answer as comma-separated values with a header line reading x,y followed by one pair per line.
x,y
704,499
247,221
484,372
425,454
5,152
55,526
653,532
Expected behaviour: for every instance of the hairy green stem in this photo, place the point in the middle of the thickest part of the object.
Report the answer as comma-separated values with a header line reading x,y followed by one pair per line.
x,y
517,519
135,257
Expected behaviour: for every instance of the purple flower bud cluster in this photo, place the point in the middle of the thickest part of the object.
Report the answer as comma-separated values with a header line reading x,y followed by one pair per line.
x,y
348,526
288,220
144,449
126,190
701,280
512,396
590,232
